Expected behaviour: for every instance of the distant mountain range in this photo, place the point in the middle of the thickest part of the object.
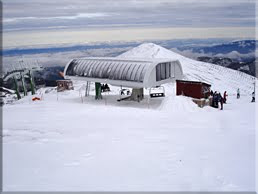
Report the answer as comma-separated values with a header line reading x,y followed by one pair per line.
x,y
238,55
241,46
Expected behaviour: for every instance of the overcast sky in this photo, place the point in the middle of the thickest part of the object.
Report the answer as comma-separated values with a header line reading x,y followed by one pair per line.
x,y
39,15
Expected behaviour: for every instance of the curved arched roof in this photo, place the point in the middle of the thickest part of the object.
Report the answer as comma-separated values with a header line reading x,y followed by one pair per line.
x,y
111,70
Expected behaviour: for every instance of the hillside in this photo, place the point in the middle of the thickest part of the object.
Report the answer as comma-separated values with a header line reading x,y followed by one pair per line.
x,y
221,78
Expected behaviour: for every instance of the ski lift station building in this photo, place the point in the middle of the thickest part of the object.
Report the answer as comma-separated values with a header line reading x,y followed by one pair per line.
x,y
132,73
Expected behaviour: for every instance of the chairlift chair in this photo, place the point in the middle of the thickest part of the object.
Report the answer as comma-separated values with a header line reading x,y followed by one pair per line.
x,y
158,91
125,92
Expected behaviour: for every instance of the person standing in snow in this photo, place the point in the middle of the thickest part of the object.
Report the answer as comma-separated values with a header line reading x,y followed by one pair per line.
x,y
102,87
238,93
138,98
253,97
211,93
106,88
225,96
212,101
215,98
220,99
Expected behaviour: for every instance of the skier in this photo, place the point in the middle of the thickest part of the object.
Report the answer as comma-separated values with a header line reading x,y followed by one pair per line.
x,y
253,97
238,93
225,96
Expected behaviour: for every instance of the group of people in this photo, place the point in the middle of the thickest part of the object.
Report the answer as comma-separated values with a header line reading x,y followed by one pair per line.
x,y
217,99
105,88
125,92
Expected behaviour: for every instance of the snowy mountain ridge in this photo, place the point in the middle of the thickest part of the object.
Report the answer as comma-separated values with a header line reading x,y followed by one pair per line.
x,y
221,78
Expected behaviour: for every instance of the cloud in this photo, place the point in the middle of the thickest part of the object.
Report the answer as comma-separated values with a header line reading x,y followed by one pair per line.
x,y
236,55
84,35
59,58
35,14
71,17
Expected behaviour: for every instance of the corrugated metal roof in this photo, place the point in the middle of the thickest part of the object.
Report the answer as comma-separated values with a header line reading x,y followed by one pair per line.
x,y
106,68
135,73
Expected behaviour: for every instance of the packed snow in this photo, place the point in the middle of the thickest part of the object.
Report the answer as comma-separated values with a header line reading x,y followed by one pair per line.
x,y
68,142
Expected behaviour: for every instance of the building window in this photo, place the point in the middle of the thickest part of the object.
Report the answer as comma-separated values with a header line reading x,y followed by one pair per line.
x,y
163,71
168,70
71,68
158,76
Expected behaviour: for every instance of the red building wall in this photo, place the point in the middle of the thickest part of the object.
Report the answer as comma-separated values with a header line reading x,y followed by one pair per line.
x,y
191,89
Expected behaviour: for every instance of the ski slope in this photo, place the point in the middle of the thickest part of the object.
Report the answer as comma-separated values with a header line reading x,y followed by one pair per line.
x,y
67,142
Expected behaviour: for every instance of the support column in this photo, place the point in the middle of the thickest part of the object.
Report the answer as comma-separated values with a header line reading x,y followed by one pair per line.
x,y
98,91
87,89
23,85
16,88
32,84
137,94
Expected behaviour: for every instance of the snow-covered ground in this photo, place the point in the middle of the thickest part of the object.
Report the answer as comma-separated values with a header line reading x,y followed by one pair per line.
x,y
69,143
